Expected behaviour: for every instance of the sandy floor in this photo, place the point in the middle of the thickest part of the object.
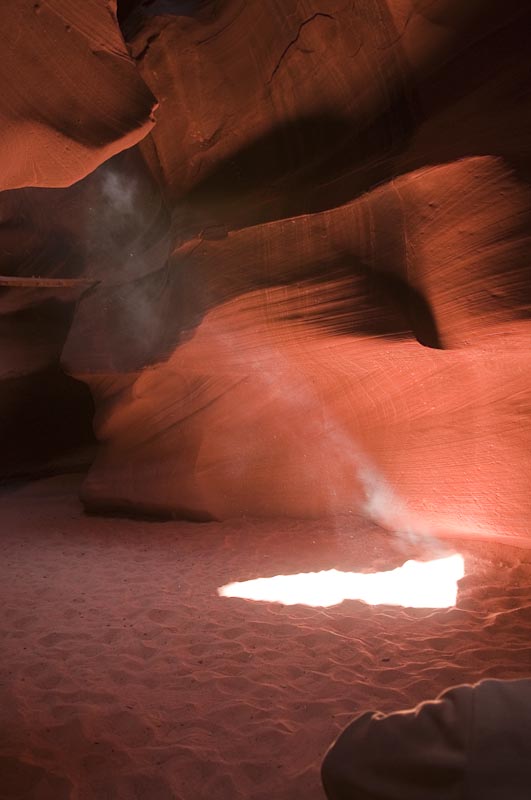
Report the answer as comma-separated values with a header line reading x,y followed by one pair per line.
x,y
125,676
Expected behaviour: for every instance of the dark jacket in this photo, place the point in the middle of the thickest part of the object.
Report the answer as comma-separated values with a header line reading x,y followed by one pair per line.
x,y
472,743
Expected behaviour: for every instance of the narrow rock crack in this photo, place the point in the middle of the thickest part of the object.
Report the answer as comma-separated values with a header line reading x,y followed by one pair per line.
x,y
295,40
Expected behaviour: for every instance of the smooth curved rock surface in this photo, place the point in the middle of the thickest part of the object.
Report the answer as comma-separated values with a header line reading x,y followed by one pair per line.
x,y
71,95
72,98
307,289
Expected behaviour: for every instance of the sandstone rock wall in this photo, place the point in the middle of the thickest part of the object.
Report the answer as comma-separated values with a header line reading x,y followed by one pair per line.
x,y
307,288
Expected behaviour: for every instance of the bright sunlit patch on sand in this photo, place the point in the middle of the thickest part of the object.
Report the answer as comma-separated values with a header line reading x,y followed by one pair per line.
x,y
416,584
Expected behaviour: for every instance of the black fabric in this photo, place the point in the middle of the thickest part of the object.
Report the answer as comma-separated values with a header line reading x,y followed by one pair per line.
x,y
472,743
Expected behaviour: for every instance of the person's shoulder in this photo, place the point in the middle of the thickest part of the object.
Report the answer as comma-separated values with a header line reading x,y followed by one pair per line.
x,y
507,691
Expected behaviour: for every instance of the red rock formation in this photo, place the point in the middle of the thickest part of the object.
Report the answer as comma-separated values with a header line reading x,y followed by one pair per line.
x,y
342,321
71,96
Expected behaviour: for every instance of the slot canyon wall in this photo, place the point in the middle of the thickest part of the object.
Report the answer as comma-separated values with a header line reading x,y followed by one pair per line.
x,y
284,244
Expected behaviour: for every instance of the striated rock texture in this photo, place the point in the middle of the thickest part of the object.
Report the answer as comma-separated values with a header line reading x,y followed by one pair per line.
x,y
306,291
71,96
